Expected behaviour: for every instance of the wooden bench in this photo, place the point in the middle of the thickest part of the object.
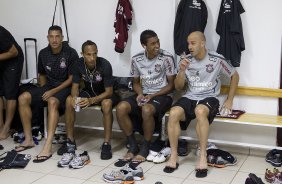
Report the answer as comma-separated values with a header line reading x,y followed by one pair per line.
x,y
245,119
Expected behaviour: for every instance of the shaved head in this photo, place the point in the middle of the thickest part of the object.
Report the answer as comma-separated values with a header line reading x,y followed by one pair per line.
x,y
196,44
198,34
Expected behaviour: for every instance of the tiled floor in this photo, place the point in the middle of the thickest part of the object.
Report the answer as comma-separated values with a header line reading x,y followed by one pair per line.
x,y
90,140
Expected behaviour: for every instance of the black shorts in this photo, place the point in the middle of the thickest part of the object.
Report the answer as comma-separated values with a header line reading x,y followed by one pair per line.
x,y
87,94
161,103
189,106
36,96
10,76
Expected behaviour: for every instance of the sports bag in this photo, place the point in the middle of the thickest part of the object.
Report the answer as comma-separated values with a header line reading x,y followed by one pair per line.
x,y
14,160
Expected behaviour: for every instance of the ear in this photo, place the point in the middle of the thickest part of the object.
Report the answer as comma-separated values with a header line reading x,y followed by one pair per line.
x,y
81,54
144,46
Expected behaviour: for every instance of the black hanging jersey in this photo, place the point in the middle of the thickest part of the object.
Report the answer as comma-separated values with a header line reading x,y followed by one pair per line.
x,y
229,27
191,16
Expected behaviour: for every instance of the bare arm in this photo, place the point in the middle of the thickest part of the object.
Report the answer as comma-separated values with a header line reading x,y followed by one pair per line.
x,y
12,52
42,80
106,94
180,80
233,86
53,91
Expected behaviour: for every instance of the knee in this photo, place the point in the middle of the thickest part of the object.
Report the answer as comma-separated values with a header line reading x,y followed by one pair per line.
x,y
53,103
147,111
106,105
24,98
123,108
201,112
175,115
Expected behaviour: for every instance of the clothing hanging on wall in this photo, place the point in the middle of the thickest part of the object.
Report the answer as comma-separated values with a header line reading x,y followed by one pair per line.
x,y
122,23
229,28
191,16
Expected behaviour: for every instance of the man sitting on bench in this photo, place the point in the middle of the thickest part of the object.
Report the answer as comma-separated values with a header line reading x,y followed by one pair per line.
x,y
96,75
200,70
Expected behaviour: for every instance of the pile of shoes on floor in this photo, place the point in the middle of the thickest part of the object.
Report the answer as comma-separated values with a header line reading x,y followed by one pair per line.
x,y
74,161
274,157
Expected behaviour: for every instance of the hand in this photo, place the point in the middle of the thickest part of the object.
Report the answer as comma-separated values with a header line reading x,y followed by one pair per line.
x,y
226,108
47,95
139,99
84,103
148,98
184,64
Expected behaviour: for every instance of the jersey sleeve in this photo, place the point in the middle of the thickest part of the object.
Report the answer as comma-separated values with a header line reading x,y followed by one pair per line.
x,y
40,66
72,59
75,72
170,68
226,68
108,75
6,41
133,70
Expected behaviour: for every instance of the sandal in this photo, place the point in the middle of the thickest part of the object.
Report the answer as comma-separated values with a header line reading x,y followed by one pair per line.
x,y
169,169
39,159
22,148
201,173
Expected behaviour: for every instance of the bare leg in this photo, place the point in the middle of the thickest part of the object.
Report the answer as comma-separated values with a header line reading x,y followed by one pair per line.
x,y
176,115
202,113
148,112
125,123
69,117
10,111
107,107
53,118
26,115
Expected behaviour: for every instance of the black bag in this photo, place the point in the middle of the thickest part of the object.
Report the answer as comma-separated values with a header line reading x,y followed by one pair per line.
x,y
123,87
14,160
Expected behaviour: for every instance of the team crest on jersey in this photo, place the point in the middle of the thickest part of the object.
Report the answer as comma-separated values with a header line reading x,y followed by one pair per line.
x,y
158,68
98,77
209,68
63,63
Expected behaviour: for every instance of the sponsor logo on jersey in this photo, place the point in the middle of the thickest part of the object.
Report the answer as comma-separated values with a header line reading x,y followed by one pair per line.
x,y
209,68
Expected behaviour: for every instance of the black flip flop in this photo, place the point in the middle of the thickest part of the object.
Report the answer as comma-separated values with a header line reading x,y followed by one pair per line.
x,y
201,173
122,162
40,159
135,163
169,169
1,147
22,148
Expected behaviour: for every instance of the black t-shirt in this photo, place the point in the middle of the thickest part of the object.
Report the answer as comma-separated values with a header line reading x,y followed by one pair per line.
x,y
229,27
56,67
96,80
191,16
6,42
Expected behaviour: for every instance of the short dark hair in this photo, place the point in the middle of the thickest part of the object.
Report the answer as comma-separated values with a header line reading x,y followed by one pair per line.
x,y
145,35
88,42
55,28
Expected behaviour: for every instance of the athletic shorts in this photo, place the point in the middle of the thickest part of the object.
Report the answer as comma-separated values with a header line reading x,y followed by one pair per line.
x,y
161,103
87,94
10,76
189,106
36,96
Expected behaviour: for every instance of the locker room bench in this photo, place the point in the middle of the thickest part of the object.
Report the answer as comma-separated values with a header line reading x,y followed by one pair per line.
x,y
252,119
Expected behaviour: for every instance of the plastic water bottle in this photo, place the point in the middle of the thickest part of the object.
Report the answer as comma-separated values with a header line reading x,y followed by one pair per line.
x,y
77,107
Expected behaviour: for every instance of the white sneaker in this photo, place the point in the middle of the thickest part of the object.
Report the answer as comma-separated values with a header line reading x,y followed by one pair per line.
x,y
162,155
151,156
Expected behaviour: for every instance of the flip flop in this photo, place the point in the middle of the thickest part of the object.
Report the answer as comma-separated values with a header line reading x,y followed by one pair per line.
x,y
121,162
23,148
201,173
39,159
169,169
